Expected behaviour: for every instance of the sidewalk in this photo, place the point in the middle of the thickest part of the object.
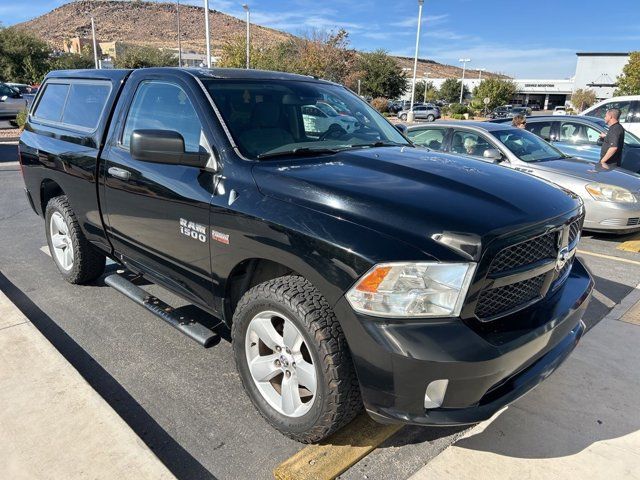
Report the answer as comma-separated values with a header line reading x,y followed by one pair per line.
x,y
582,423
53,425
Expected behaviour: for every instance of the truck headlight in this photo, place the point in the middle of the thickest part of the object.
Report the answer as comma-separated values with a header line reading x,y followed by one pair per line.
x,y
610,193
424,289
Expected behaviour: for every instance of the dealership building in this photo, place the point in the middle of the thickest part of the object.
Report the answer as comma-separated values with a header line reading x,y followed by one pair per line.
x,y
595,71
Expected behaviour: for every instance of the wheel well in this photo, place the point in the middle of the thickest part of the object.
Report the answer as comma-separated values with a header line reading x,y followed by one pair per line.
x,y
246,275
48,190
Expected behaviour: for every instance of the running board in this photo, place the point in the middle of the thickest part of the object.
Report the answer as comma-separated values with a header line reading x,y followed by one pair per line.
x,y
192,329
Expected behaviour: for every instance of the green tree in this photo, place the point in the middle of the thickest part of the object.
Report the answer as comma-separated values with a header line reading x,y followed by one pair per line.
x,y
23,57
142,57
382,76
629,81
497,90
431,91
71,61
583,98
450,90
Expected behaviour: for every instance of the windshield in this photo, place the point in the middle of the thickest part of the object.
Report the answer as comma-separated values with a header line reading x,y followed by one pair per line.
x,y
527,146
268,117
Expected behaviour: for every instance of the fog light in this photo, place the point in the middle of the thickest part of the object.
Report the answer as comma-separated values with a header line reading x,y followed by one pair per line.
x,y
434,396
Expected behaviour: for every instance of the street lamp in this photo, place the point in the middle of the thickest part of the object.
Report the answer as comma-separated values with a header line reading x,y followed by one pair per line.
x,y
464,69
410,115
245,7
480,70
206,32
95,44
179,40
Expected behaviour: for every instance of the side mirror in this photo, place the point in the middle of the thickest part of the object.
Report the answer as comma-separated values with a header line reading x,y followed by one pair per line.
x,y
164,146
600,141
492,154
401,128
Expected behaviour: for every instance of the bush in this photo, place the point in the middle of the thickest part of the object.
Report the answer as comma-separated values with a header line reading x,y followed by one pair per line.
x,y
458,109
457,116
381,104
21,119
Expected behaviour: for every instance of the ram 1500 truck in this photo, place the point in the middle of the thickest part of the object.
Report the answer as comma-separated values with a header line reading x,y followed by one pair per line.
x,y
353,268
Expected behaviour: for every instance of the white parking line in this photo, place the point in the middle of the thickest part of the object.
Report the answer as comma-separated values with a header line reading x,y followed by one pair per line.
x,y
45,249
609,257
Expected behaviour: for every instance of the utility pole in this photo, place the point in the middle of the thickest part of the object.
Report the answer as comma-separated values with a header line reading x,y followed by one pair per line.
x,y
410,115
179,39
480,70
246,9
206,32
426,78
95,44
464,68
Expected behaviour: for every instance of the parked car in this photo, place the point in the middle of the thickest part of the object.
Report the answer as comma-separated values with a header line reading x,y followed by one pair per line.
x,y
422,112
351,270
629,107
611,196
321,116
579,136
526,111
534,107
560,110
11,101
500,112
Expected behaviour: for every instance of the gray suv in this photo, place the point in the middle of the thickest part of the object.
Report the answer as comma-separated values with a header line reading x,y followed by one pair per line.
x,y
422,112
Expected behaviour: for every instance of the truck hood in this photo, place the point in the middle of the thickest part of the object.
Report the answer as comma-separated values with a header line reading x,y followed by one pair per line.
x,y
414,194
576,168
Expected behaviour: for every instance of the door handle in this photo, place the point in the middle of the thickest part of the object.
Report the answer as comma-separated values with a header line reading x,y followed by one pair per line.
x,y
119,173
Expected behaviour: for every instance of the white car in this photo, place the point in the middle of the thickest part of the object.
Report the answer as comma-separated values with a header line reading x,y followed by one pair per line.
x,y
629,106
560,110
319,117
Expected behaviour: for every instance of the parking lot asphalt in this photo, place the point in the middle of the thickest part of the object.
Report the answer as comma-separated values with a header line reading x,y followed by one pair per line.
x,y
184,401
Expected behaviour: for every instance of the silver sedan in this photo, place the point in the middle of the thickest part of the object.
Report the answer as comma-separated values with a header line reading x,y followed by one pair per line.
x,y
11,101
611,195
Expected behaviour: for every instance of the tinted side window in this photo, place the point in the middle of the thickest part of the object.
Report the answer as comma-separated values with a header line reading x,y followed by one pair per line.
x,y
85,104
541,129
163,106
432,138
52,102
624,108
6,90
578,133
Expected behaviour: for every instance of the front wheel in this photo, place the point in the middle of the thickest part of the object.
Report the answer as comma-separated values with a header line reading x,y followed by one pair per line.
x,y
403,117
431,118
293,359
77,260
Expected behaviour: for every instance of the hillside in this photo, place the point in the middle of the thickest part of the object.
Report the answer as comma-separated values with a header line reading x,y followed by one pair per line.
x,y
143,23
155,24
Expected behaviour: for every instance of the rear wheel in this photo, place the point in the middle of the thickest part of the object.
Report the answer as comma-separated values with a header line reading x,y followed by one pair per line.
x,y
431,118
403,117
293,359
77,260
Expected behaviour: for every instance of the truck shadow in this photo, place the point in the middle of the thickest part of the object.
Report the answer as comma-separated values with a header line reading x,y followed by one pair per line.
x,y
590,399
162,444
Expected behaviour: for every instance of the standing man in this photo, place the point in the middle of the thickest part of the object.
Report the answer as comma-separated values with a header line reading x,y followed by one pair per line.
x,y
613,140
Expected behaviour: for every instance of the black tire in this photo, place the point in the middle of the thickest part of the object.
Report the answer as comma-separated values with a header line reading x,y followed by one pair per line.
x,y
403,117
431,118
88,263
337,399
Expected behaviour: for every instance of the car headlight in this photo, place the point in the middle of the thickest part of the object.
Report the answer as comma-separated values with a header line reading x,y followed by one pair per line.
x,y
610,193
424,289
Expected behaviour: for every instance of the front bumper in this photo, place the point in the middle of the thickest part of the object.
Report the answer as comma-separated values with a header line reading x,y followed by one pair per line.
x,y
396,360
611,217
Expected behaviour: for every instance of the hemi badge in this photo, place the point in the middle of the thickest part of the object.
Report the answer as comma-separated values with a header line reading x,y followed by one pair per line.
x,y
220,237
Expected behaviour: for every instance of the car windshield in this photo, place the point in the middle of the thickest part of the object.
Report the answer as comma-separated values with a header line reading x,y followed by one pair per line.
x,y
527,146
269,118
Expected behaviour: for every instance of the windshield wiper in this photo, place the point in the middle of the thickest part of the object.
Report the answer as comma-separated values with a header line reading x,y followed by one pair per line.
x,y
300,151
380,143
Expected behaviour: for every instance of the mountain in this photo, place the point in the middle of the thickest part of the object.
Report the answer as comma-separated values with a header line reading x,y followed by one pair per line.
x,y
155,24
144,23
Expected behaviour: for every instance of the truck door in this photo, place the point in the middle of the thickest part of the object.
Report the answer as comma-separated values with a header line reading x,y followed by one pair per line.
x,y
157,214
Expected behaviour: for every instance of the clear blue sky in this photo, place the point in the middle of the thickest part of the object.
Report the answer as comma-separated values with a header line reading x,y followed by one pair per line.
x,y
523,38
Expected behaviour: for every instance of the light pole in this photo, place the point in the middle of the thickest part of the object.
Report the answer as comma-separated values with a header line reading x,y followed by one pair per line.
x,y
206,32
480,70
245,7
359,83
410,115
426,78
179,39
95,44
464,69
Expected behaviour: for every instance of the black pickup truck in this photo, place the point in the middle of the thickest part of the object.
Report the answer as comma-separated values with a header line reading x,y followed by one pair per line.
x,y
352,268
